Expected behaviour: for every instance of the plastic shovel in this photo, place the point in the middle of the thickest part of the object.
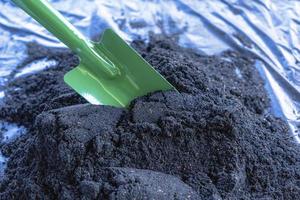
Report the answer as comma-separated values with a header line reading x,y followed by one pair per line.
x,y
110,71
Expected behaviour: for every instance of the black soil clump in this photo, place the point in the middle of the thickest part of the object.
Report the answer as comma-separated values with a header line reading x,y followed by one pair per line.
x,y
215,139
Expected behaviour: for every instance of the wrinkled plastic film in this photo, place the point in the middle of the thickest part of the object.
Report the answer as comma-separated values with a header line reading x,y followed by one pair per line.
x,y
267,29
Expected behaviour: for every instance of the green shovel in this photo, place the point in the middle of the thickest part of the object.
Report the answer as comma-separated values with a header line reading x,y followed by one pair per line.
x,y
110,71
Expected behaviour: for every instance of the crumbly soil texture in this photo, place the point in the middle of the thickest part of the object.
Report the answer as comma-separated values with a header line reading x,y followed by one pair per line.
x,y
214,139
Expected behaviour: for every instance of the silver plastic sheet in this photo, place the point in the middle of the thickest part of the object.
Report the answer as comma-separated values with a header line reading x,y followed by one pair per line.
x,y
268,29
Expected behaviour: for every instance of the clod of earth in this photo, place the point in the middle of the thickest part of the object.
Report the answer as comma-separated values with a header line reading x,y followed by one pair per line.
x,y
214,140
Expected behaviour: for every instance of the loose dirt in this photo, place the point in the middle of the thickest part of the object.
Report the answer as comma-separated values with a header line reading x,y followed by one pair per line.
x,y
216,139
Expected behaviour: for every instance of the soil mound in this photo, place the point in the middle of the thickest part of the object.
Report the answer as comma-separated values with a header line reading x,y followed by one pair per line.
x,y
213,140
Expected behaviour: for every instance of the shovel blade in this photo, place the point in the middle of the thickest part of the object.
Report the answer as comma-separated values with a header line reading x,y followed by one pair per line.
x,y
137,77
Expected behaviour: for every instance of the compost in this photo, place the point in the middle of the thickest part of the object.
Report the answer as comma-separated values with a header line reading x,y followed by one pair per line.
x,y
214,139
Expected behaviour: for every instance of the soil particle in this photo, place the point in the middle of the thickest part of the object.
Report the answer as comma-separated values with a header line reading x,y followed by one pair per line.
x,y
213,140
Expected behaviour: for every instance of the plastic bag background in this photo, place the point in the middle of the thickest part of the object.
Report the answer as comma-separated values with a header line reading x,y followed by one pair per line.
x,y
268,29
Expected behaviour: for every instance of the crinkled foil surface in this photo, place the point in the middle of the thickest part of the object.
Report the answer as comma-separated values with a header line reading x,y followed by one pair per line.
x,y
269,29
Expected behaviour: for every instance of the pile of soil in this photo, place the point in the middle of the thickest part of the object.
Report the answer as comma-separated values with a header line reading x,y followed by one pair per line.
x,y
216,139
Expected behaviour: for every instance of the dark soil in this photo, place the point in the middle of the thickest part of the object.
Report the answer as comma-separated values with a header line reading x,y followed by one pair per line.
x,y
214,140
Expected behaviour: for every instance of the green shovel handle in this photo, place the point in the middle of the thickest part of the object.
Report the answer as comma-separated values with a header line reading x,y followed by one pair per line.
x,y
54,22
